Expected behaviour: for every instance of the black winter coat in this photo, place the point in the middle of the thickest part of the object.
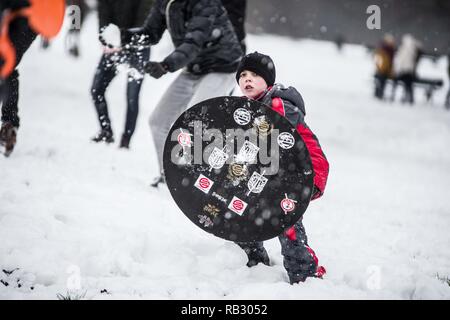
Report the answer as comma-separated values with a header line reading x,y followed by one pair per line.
x,y
204,38
123,13
236,12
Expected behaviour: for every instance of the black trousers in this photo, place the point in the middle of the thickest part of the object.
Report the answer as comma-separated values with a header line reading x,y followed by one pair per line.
x,y
105,73
380,85
447,100
21,37
407,80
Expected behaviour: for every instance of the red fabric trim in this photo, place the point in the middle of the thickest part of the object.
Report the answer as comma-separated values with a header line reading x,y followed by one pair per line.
x,y
320,163
278,106
320,271
291,234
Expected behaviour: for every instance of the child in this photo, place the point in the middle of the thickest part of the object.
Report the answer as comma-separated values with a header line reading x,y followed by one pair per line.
x,y
256,78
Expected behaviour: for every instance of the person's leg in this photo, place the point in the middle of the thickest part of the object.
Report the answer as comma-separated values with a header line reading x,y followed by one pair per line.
x,y
447,100
168,109
104,74
213,85
256,253
300,260
21,37
133,90
408,86
378,93
10,105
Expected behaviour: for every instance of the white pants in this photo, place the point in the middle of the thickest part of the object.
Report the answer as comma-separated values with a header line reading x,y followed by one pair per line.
x,y
186,91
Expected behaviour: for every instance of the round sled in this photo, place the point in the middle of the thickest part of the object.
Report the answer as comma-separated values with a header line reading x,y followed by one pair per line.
x,y
238,169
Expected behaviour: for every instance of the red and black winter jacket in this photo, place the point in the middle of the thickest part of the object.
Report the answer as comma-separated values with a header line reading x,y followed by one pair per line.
x,y
289,103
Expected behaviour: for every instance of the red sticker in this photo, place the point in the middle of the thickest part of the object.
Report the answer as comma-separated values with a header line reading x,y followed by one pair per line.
x,y
237,205
288,205
184,139
203,183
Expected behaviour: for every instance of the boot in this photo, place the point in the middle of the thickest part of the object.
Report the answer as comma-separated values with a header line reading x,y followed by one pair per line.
x,y
105,135
158,180
8,137
125,142
256,253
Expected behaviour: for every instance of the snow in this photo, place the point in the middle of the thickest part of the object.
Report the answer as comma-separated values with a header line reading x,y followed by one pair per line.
x,y
80,217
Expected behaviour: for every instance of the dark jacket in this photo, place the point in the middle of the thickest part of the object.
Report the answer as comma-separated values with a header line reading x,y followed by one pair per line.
x,y
13,4
201,31
448,65
289,103
236,12
123,13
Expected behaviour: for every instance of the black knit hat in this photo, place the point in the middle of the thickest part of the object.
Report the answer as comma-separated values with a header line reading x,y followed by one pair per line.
x,y
260,64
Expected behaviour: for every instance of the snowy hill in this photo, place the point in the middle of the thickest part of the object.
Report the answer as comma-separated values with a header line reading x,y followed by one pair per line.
x,y
77,213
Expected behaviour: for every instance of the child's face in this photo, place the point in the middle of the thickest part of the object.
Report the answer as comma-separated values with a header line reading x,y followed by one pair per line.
x,y
251,84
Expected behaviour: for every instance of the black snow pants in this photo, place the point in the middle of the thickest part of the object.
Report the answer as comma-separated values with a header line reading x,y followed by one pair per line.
x,y
21,37
299,259
407,80
105,73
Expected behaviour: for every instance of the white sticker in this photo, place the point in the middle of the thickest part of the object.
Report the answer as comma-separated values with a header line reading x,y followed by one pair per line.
x,y
256,183
288,205
203,183
206,221
242,116
237,205
286,140
217,159
248,153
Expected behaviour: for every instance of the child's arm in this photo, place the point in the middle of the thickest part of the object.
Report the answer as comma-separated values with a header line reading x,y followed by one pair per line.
x,y
289,103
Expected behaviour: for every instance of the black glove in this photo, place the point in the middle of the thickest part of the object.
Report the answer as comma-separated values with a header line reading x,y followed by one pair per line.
x,y
155,69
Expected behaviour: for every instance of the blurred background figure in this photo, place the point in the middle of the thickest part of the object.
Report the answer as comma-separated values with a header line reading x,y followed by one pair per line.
x,y
21,22
21,36
237,10
447,100
384,56
125,15
206,48
405,64
72,38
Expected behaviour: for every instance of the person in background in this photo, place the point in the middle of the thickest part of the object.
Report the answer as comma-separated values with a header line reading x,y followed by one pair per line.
x,y
384,56
447,99
72,39
237,10
405,64
125,15
206,48
21,36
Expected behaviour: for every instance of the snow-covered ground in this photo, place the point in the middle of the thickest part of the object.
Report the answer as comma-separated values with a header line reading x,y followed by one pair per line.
x,y
77,213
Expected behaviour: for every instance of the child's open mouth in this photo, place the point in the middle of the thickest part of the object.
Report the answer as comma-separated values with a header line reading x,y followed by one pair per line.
x,y
248,87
